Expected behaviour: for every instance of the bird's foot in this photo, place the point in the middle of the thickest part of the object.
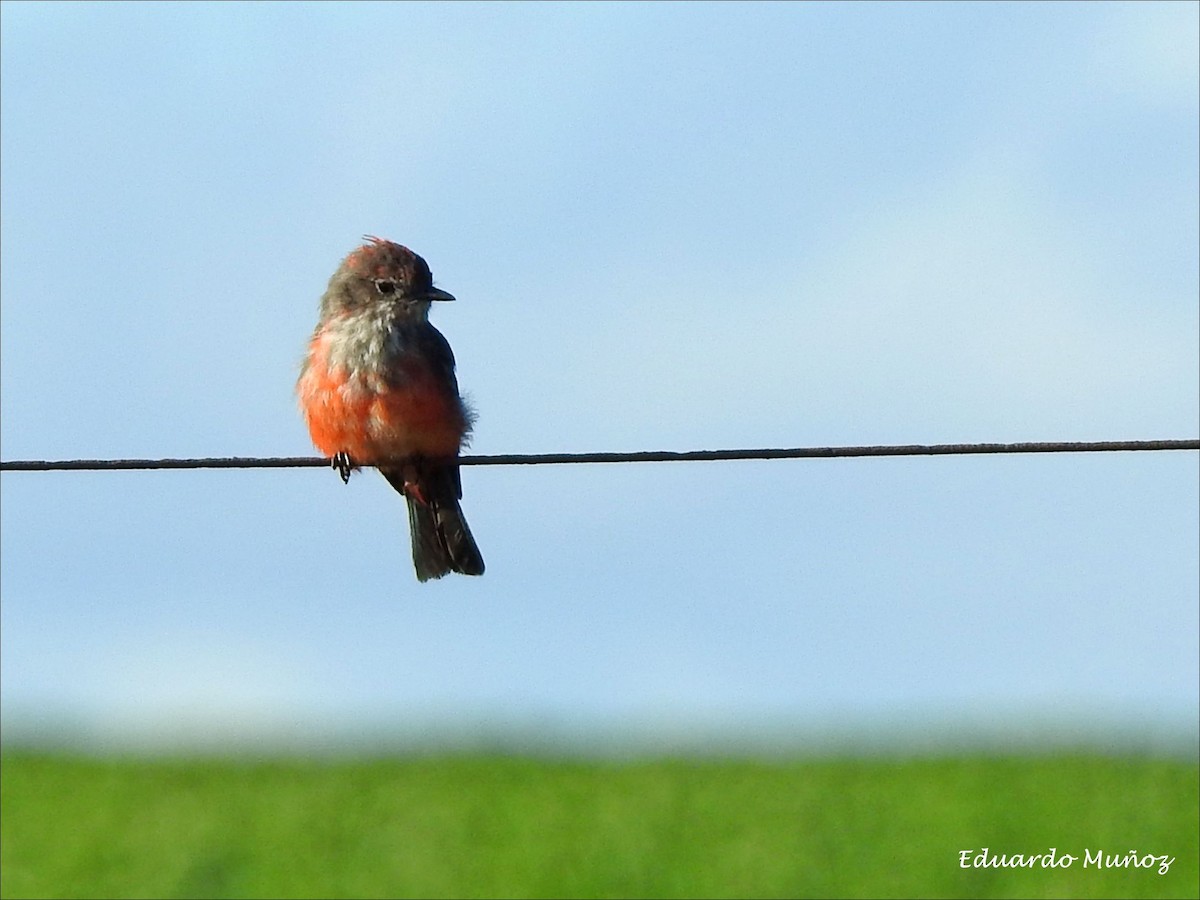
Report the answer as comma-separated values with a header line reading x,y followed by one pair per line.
x,y
343,465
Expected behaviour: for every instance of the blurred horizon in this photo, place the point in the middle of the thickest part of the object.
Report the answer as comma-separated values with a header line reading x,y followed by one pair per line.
x,y
928,735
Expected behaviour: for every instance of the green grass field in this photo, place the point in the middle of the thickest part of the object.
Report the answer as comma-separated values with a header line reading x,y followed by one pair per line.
x,y
496,826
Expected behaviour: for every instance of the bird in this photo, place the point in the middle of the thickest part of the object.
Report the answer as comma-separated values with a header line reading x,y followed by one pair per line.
x,y
377,387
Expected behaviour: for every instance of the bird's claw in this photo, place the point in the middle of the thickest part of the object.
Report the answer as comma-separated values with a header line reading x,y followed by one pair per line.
x,y
342,465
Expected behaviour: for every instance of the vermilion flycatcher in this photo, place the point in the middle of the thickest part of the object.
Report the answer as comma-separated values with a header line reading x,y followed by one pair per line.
x,y
378,385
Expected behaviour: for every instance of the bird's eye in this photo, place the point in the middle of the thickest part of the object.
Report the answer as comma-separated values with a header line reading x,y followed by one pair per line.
x,y
385,286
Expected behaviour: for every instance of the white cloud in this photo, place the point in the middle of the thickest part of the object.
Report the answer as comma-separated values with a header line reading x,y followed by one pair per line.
x,y
1149,51
966,308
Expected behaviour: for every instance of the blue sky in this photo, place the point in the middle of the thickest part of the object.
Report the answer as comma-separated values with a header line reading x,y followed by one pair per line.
x,y
669,226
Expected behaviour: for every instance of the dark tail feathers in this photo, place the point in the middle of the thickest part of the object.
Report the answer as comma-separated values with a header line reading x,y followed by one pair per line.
x,y
441,540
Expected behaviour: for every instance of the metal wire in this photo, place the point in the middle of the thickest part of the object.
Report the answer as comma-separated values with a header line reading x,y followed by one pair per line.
x,y
534,459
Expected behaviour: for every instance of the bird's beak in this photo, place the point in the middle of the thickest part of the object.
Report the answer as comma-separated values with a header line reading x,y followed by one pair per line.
x,y
438,294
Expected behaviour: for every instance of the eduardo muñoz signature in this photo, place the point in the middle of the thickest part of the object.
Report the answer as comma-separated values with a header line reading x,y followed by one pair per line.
x,y
984,858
